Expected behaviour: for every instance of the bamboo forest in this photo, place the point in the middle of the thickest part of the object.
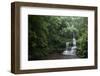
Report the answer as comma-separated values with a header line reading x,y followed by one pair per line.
x,y
57,37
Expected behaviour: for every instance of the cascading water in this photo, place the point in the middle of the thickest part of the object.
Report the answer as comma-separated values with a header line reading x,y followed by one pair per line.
x,y
73,48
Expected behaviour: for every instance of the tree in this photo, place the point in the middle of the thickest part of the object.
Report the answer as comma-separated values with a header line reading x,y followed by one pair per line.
x,y
49,34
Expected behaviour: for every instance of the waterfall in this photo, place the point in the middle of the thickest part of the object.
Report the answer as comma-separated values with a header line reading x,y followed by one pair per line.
x,y
73,48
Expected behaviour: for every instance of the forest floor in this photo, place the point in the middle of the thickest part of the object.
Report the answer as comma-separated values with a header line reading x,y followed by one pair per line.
x,y
61,56
54,56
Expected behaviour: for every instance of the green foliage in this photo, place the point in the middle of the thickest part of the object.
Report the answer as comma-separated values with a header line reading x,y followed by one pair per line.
x,y
82,41
38,32
48,34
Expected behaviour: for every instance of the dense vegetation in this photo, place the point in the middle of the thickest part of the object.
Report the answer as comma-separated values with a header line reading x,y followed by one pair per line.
x,y
49,34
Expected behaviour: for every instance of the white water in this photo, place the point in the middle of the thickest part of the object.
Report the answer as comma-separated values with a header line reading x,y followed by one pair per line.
x,y
73,48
